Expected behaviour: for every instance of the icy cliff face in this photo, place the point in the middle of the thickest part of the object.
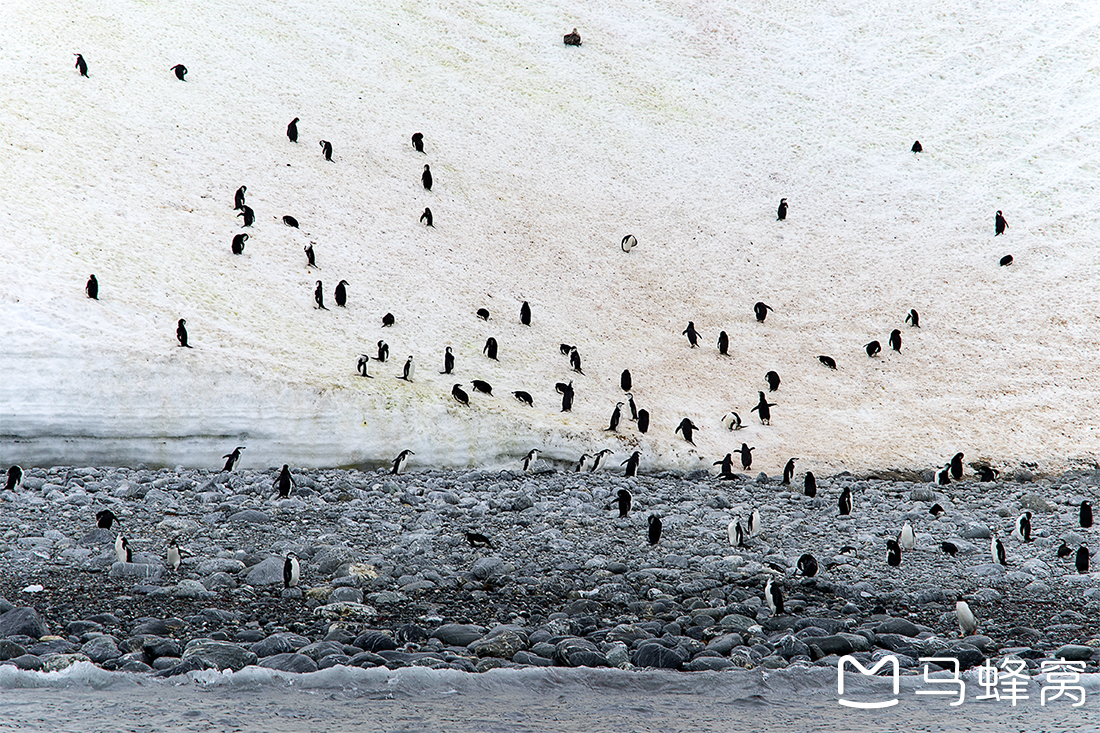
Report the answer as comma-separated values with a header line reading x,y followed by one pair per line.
x,y
682,125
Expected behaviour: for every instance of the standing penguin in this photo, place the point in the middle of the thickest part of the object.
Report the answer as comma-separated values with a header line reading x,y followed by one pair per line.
x,y
81,65
781,214
724,344
1022,530
893,553
361,366
409,370
15,478
173,555
726,470
917,147
686,428
845,502
388,320
957,466
746,456
181,71
810,485
418,142
122,549
91,288
774,597
807,565
292,571
873,348
643,421
490,349
232,459
773,381
448,361
913,319
1081,559
181,333
383,351
764,409
426,177
692,334
525,314
788,472
654,529
238,198
311,258
237,247
625,381
319,296
326,149
999,224
342,293
632,463
633,408
615,417
598,458
248,215
943,476
292,130
567,398
401,461
426,217
895,340
283,482
997,550
907,539
529,460
1085,515
624,499
575,360
761,311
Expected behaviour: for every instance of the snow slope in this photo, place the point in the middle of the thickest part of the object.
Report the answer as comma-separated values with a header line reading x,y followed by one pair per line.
x,y
682,123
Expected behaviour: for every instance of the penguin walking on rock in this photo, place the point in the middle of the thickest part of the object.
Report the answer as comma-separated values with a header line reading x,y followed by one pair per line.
x,y
724,344
615,417
893,553
448,361
624,498
845,502
913,319
575,360
1085,515
232,459
788,472
409,370
598,459
490,348
1022,530
1081,559
774,597
284,482
632,463
105,519
633,407
726,470
957,466
529,460
997,550
173,556
807,565
655,528
238,198
401,461
311,258
810,485
292,571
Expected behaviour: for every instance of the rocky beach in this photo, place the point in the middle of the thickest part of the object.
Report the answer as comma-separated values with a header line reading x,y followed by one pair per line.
x,y
389,580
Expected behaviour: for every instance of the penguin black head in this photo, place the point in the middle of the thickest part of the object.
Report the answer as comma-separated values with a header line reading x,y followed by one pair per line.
x,y
917,147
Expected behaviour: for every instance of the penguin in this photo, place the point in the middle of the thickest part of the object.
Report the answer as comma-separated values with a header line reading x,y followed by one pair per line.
x,y
248,215
873,348
893,553
754,523
565,349
999,224
326,149
967,623
1064,551
572,39
311,259
997,550
692,334
361,366
580,463
181,333
810,485
401,461
774,597
723,344
906,539
917,147
625,382
761,311
238,198
788,472
643,421
524,397
483,387
1085,515
845,502
575,360
81,65
807,565
483,313
781,214
633,407
319,296
629,242
624,499
529,460
736,533
284,482
1081,559
632,463
181,71
105,519
1022,530
773,381
490,349
292,571
567,398
949,548
418,142
426,217
383,351
173,556
654,529
237,247
746,456
764,410
409,370
232,459
448,361
91,288
913,319
598,459
828,361
943,476
122,549
460,395
388,320
732,421
936,510
426,177
290,221
726,472
525,314
342,293
686,428
292,130
1006,260
895,340
476,539
616,415
957,466
987,474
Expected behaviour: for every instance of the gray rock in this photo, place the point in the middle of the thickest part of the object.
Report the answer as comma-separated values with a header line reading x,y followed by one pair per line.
x,y
709,664
897,626
23,621
281,643
97,537
250,516
533,660
135,571
320,649
502,645
28,662
653,654
58,662
725,644
628,634
834,644
576,652
192,589
10,650
220,654
366,660
352,595
329,559
101,648
289,662
218,582
375,641
458,634
1036,503
1075,652
266,572
155,647
487,567
220,565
